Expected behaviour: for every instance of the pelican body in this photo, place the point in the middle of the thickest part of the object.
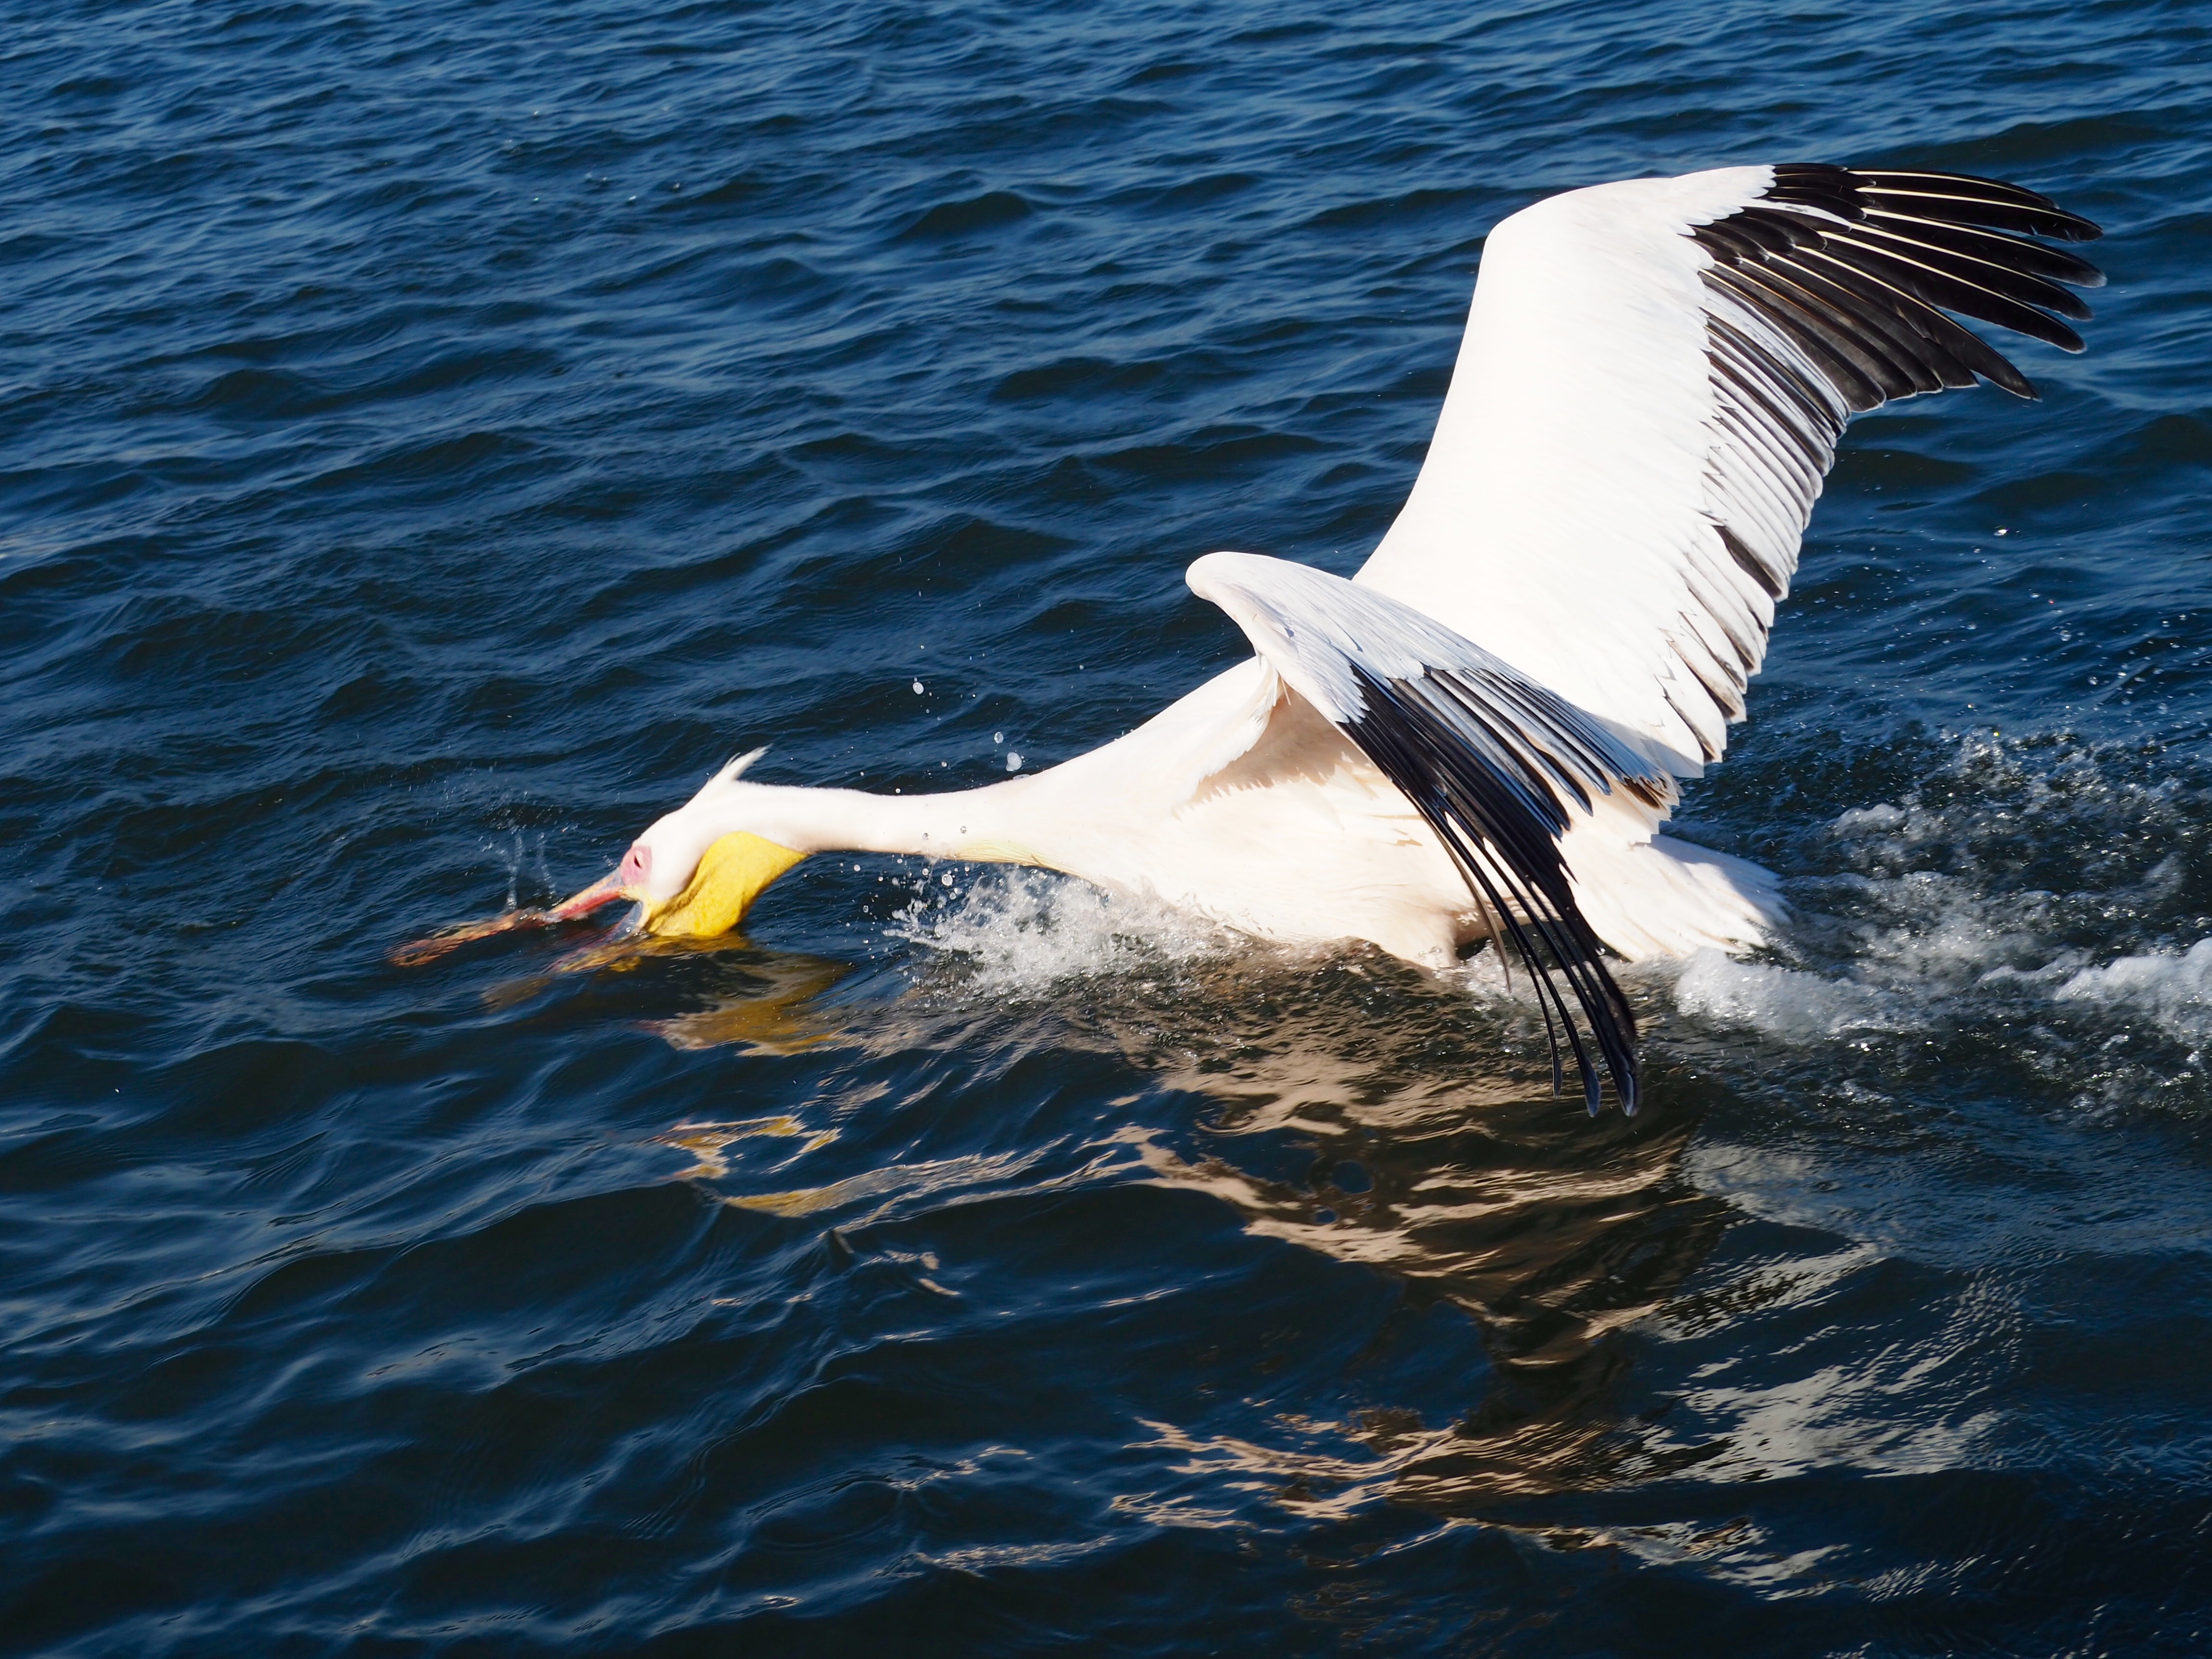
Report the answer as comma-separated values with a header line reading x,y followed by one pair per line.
x,y
1479,734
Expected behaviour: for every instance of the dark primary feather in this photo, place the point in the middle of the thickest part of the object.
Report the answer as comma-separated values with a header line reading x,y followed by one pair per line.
x,y
1449,740
1831,295
1903,245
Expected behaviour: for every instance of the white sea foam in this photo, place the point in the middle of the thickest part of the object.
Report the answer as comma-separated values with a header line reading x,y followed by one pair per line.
x,y
1924,924
2174,990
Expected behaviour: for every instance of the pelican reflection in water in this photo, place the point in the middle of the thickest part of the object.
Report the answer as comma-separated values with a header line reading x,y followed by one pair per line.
x,y
1356,1106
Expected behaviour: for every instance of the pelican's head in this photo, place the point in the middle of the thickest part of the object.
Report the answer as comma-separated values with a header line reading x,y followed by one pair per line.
x,y
692,873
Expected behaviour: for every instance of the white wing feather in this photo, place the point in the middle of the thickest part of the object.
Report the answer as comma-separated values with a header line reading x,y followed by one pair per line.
x,y
1560,518
1643,410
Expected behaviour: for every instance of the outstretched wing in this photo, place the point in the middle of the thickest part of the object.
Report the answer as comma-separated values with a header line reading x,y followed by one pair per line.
x,y
1493,761
1653,379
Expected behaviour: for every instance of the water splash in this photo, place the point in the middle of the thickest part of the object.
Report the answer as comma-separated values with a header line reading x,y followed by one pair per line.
x,y
1016,930
2031,898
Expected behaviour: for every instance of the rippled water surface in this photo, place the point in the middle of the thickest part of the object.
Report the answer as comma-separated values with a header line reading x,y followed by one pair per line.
x,y
436,435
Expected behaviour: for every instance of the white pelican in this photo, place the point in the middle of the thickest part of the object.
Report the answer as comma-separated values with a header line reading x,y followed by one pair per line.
x,y
1480,733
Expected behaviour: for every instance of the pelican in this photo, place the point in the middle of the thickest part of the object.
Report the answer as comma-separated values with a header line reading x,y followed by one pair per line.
x,y
1478,735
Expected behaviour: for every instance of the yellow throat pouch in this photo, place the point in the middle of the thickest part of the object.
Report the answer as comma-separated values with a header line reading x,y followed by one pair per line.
x,y
732,872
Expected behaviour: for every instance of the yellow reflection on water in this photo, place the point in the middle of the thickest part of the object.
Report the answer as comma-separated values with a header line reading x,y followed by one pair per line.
x,y
710,1142
781,1017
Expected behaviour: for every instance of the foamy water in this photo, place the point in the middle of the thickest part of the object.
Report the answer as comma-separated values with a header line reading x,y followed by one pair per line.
x,y
2033,894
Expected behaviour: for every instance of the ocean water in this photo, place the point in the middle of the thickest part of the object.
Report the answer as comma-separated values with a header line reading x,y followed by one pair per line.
x,y
437,435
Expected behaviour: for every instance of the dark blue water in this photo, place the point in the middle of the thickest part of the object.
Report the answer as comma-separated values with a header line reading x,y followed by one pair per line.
x,y
437,435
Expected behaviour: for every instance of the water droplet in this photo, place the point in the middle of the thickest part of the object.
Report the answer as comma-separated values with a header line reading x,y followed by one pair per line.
x,y
917,688
1013,763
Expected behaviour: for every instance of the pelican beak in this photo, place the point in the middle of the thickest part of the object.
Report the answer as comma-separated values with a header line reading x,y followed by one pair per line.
x,y
605,890
732,872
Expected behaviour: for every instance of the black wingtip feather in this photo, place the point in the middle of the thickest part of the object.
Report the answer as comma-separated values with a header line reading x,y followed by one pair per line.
x,y
1857,267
